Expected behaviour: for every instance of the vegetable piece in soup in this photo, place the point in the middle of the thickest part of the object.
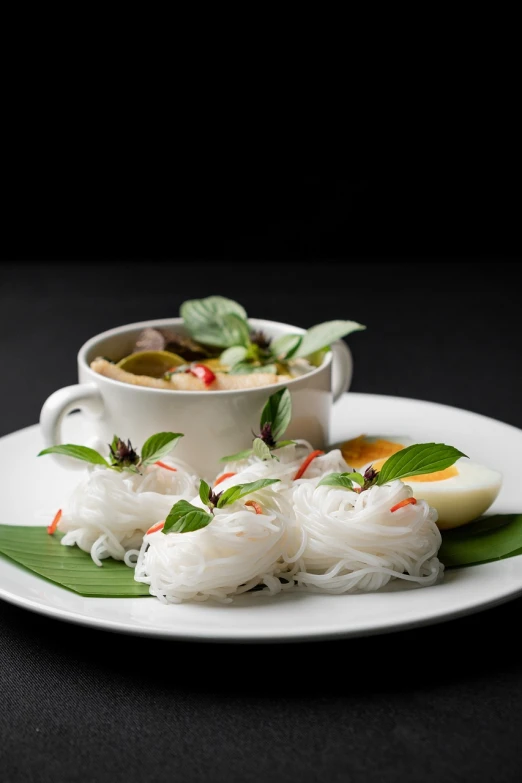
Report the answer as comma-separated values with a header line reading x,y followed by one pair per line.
x,y
185,381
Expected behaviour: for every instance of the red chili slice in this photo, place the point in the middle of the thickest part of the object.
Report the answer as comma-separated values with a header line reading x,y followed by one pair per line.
x,y
306,463
202,372
54,524
257,508
223,477
155,528
407,502
164,465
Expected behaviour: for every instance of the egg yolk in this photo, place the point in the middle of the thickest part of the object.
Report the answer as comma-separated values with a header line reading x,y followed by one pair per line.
x,y
359,451
439,475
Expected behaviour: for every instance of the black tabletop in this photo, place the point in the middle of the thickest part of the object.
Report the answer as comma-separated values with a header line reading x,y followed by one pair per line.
x,y
436,703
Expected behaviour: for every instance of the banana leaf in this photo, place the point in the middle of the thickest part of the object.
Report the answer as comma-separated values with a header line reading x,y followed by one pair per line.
x,y
68,566
487,539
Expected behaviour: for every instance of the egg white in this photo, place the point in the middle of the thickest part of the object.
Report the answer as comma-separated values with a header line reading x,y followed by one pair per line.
x,y
462,498
459,499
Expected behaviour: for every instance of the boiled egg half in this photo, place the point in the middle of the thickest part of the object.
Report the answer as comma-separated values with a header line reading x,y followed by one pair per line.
x,y
460,493
363,451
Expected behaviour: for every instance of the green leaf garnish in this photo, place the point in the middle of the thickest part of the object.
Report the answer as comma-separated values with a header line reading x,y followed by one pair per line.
x,y
235,330
232,494
158,446
323,335
277,412
239,455
78,452
185,518
344,480
207,322
417,460
275,418
261,450
282,443
233,355
285,346
122,455
204,492
68,566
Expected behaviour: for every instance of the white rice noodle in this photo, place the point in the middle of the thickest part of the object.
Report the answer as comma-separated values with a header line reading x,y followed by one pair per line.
x,y
109,511
238,550
290,460
182,481
346,542
296,452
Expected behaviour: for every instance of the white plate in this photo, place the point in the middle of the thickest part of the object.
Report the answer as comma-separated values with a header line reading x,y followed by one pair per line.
x,y
30,485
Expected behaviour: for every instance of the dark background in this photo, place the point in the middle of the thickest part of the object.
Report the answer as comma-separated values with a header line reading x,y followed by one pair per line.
x,y
429,262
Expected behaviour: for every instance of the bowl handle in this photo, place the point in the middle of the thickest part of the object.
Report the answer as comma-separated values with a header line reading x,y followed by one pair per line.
x,y
342,368
83,396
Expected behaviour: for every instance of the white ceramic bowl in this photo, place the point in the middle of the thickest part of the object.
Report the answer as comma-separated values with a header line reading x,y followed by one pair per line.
x,y
213,423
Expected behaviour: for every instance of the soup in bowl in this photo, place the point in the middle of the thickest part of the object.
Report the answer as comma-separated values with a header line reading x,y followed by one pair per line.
x,y
213,424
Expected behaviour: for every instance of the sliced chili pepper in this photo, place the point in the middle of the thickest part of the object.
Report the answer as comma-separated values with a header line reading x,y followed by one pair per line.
x,y
54,524
155,528
257,508
164,465
407,502
306,463
202,372
223,477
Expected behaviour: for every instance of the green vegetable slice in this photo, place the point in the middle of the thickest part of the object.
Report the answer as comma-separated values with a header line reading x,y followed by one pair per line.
x,y
151,363
68,566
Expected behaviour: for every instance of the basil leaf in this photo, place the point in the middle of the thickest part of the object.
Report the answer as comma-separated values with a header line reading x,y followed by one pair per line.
x,y
235,330
78,452
204,492
323,335
216,321
244,368
285,346
199,313
337,480
233,355
277,411
283,443
239,455
261,450
185,518
232,494
417,460
158,446
223,333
